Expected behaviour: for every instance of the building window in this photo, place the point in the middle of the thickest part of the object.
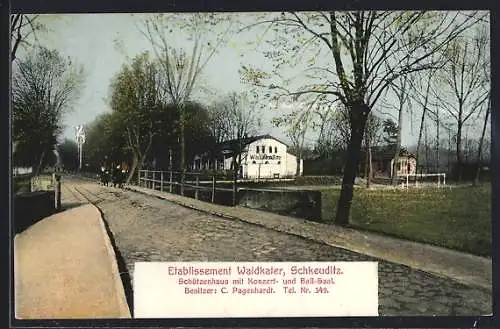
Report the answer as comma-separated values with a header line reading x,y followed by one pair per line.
x,y
275,149
263,149
270,149
257,149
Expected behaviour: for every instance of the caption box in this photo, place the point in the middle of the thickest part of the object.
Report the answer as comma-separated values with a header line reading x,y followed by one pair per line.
x,y
231,289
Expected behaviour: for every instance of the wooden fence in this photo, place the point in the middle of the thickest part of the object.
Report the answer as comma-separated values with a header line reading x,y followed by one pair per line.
x,y
170,181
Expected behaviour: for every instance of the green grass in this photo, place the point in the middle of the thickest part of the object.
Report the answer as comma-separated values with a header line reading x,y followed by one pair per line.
x,y
458,218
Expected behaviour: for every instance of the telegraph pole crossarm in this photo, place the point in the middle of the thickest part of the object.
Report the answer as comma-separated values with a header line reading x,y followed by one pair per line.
x,y
80,140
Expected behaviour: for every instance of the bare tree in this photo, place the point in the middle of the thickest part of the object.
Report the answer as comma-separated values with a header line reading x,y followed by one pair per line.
x,y
297,124
243,122
426,146
464,83
373,136
183,68
481,141
334,128
325,140
341,123
400,88
422,89
219,124
438,136
21,27
367,54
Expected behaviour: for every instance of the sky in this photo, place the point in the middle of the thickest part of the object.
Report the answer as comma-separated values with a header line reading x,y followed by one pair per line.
x,y
91,40
102,43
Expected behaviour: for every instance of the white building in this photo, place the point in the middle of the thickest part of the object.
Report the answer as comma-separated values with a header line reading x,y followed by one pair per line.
x,y
262,157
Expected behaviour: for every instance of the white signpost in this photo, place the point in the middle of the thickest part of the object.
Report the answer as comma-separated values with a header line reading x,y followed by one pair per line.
x,y
80,140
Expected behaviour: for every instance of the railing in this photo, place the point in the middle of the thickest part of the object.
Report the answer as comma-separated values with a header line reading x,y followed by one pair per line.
x,y
168,181
438,175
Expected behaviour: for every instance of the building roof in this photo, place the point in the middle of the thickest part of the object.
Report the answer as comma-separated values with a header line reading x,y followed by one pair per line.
x,y
232,144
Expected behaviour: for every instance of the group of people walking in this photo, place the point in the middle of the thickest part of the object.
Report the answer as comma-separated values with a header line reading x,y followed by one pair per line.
x,y
114,176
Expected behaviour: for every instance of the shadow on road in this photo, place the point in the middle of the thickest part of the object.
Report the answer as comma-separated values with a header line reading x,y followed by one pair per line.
x,y
70,205
122,267
29,208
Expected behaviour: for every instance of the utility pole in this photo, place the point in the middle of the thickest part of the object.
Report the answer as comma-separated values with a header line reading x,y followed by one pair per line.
x,y
80,140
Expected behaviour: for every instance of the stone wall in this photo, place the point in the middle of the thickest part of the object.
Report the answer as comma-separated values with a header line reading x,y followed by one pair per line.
x,y
31,207
300,204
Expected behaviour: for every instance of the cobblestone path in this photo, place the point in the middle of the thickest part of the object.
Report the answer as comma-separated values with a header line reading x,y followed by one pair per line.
x,y
145,228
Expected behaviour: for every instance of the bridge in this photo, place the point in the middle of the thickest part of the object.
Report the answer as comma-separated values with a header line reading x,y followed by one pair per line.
x,y
85,254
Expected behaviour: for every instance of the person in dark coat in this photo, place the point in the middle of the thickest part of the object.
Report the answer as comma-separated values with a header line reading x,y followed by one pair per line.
x,y
118,176
105,176
123,177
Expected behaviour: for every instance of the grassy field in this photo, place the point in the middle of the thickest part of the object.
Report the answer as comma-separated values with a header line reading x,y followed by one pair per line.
x,y
458,218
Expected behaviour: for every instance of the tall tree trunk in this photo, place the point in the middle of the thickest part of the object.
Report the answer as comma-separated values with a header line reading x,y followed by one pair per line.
x,y
422,120
466,147
365,174
140,165
370,167
16,23
459,151
235,181
449,151
360,113
480,147
139,156
420,133
40,163
133,167
395,165
426,145
368,161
